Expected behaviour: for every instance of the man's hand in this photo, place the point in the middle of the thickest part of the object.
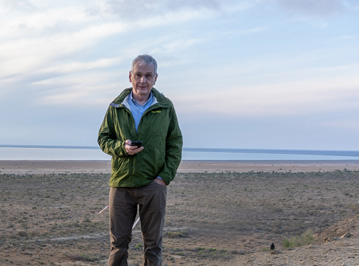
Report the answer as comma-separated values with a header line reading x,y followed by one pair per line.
x,y
132,150
160,181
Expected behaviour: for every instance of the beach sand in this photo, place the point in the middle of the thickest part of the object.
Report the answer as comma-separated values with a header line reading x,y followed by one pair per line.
x,y
37,167
218,213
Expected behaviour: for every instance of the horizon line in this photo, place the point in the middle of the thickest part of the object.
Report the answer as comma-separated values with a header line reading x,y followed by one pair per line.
x,y
231,150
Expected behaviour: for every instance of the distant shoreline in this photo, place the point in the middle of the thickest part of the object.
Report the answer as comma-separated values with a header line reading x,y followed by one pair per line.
x,y
230,150
82,153
186,166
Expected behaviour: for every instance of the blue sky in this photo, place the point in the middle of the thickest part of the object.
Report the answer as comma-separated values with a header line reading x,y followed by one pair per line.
x,y
259,74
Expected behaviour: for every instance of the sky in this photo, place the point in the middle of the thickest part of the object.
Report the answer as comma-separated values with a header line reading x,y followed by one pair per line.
x,y
259,74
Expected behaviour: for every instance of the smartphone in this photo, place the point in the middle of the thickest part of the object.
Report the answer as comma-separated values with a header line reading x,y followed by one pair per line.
x,y
136,143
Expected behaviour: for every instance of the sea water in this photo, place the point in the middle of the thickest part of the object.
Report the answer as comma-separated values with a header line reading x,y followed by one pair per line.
x,y
94,153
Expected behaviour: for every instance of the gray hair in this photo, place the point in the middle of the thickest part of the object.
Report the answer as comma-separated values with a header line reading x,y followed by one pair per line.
x,y
145,58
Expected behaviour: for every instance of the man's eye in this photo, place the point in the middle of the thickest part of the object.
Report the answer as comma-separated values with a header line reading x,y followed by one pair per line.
x,y
138,76
148,76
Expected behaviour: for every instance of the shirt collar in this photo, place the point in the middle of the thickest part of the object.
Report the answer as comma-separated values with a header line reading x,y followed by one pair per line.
x,y
135,102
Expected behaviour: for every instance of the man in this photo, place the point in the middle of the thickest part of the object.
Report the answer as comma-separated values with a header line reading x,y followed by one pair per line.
x,y
140,173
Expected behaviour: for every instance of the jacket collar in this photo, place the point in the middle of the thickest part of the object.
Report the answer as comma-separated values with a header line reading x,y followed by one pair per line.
x,y
121,100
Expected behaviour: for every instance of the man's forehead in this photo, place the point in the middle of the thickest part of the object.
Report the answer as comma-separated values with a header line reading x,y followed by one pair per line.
x,y
143,66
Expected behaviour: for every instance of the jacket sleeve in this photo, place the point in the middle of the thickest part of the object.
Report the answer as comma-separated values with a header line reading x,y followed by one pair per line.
x,y
174,144
107,139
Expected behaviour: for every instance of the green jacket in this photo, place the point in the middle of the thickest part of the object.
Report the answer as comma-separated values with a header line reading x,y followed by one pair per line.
x,y
158,130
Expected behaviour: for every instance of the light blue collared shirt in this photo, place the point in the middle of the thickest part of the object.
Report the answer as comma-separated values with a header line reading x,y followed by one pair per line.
x,y
137,110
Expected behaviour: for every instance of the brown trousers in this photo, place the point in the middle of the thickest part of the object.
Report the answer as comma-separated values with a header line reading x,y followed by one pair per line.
x,y
123,203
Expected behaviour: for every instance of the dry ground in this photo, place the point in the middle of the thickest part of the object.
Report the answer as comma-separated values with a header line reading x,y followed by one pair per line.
x,y
222,218
70,167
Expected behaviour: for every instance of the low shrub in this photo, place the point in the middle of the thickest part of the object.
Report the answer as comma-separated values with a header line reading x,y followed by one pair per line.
x,y
306,238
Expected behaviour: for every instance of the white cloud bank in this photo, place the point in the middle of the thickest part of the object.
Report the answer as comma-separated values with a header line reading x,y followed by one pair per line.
x,y
233,59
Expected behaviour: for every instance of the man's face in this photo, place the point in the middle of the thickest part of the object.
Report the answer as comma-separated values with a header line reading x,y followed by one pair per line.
x,y
143,78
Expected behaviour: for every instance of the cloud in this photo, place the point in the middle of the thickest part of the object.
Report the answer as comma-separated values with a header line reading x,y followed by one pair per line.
x,y
19,5
146,8
42,22
316,7
75,66
33,40
33,53
80,90
302,95
168,46
49,34
207,4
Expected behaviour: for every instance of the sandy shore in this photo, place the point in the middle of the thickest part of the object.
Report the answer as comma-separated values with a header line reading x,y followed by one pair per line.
x,y
222,213
44,167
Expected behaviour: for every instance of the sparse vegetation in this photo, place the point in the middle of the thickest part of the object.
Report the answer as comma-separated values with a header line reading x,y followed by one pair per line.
x,y
138,246
83,257
176,234
306,238
211,217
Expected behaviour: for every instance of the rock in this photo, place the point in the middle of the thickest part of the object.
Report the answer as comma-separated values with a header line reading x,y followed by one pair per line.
x,y
346,235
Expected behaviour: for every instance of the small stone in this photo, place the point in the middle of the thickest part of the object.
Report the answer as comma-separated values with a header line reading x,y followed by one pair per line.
x,y
347,235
